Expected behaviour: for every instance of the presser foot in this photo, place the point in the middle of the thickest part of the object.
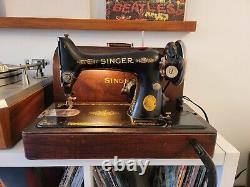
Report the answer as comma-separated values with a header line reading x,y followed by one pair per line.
x,y
70,102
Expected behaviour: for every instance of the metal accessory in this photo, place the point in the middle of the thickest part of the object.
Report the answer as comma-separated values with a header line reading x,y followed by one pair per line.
x,y
59,113
142,38
13,73
70,102
171,71
9,74
67,77
36,64
25,76
156,86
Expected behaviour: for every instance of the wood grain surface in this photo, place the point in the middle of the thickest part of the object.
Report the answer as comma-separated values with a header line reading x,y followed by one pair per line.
x,y
101,142
15,118
5,128
97,24
90,146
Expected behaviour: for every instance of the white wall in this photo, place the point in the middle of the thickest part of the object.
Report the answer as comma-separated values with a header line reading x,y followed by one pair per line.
x,y
218,71
46,8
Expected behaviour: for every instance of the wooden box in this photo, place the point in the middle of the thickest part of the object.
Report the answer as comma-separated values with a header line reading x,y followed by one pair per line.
x,y
124,142
20,105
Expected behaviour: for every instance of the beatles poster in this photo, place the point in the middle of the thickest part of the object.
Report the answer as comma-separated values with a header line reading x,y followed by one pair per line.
x,y
152,10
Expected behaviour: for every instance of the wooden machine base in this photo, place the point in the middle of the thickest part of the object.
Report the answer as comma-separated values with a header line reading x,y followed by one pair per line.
x,y
107,142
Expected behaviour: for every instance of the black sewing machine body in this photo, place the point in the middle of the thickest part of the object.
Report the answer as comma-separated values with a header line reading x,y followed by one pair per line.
x,y
148,101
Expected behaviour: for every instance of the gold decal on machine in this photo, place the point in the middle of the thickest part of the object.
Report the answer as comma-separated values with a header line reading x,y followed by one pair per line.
x,y
117,61
145,60
121,60
110,80
149,103
103,113
87,61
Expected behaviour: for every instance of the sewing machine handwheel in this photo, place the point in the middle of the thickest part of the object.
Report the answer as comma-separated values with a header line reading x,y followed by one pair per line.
x,y
175,68
170,50
181,53
180,48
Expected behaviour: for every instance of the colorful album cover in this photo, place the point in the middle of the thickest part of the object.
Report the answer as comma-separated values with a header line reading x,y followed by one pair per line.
x,y
152,10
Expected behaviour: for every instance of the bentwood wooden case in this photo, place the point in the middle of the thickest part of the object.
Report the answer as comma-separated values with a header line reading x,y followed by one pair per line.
x,y
101,89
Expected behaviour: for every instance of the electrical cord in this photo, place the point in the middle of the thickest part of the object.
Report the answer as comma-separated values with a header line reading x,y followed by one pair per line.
x,y
206,117
208,163
205,114
188,99
239,174
200,151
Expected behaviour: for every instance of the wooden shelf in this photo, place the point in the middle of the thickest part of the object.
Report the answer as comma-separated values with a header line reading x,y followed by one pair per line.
x,y
97,24
225,157
15,157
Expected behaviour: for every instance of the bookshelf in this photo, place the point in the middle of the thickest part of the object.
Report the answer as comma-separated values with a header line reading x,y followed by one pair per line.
x,y
96,24
225,158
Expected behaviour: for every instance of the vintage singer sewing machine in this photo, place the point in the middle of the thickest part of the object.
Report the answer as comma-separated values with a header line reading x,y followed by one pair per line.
x,y
152,125
148,106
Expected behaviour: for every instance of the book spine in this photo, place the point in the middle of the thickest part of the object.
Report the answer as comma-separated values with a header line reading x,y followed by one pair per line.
x,y
103,182
183,175
66,176
188,176
203,177
180,177
97,178
105,177
170,176
199,175
78,178
177,171
167,176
